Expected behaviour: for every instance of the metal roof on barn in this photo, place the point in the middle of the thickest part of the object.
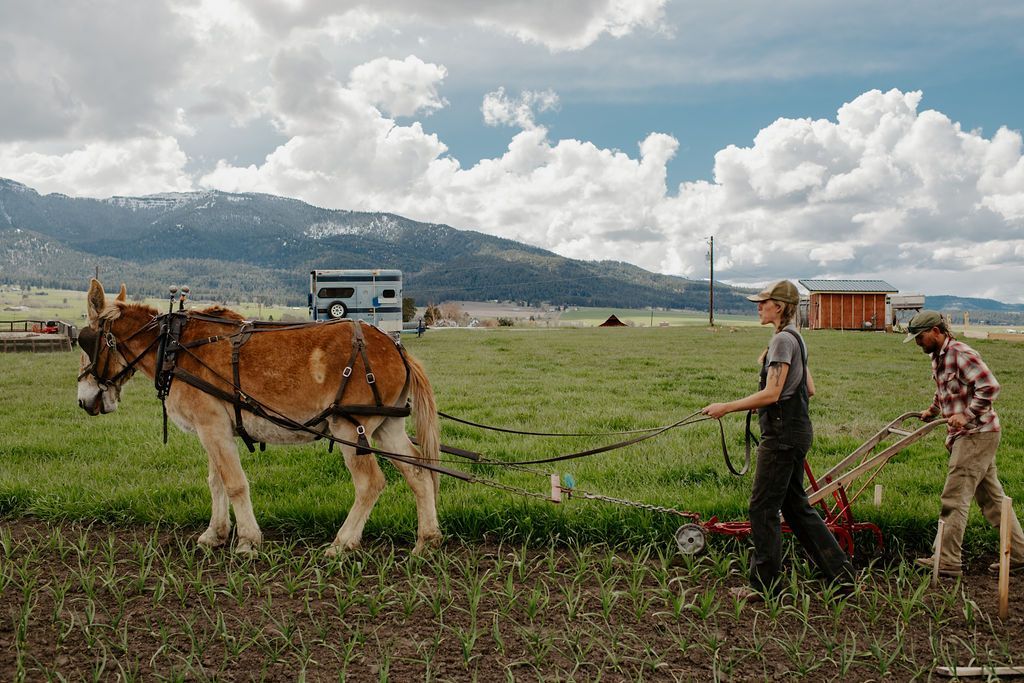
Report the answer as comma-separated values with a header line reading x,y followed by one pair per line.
x,y
847,286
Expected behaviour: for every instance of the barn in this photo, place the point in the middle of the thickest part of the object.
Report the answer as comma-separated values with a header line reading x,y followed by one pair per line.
x,y
847,304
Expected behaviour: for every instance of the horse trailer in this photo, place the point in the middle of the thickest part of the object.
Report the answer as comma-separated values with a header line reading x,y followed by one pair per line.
x,y
373,296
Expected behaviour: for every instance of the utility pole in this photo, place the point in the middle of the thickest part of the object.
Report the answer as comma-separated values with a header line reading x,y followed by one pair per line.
x,y
711,281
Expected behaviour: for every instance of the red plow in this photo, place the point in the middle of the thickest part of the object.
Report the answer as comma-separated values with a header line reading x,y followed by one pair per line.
x,y
829,491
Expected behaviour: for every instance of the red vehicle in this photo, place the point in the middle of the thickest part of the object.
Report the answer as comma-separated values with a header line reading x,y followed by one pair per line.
x,y
48,327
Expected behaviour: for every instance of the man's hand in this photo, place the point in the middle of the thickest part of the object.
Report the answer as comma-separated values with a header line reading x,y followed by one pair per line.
x,y
958,421
716,410
926,416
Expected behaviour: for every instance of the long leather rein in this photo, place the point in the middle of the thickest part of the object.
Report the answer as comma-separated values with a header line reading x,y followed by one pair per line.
x,y
168,346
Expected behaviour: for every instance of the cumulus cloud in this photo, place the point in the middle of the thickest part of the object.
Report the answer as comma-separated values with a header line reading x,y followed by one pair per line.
x,y
499,109
400,88
94,70
100,100
560,26
135,166
342,148
884,190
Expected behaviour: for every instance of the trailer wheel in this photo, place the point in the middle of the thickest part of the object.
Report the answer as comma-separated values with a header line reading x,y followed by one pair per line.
x,y
690,539
337,309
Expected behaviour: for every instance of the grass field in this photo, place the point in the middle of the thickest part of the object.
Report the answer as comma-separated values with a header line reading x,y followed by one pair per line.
x,y
101,577
57,462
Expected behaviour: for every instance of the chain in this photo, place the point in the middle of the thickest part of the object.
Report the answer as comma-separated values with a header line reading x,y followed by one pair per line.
x,y
587,495
510,489
632,503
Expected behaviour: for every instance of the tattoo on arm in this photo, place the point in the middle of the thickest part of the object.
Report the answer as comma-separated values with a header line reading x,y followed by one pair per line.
x,y
774,375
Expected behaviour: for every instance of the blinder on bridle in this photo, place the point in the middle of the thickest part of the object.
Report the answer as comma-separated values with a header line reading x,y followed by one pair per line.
x,y
92,342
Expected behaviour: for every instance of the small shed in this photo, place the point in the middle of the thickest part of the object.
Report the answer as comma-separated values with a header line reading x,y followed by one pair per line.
x,y
847,304
612,321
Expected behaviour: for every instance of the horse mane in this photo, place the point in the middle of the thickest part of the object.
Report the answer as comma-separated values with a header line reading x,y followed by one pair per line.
x,y
124,309
121,309
218,311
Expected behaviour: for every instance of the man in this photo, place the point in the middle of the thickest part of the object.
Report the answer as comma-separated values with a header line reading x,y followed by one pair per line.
x,y
965,391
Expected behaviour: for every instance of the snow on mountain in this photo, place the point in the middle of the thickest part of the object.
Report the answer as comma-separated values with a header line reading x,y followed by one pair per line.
x,y
164,201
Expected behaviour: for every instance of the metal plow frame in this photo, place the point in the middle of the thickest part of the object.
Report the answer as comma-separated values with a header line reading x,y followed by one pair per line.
x,y
838,516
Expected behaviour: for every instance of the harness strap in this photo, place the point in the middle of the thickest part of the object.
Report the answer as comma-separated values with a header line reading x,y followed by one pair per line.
x,y
282,421
237,340
360,343
336,408
241,401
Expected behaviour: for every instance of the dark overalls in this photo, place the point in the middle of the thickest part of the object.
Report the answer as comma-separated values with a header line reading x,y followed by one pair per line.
x,y
786,436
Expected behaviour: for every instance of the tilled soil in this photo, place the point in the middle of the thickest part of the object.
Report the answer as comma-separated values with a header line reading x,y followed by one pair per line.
x,y
141,603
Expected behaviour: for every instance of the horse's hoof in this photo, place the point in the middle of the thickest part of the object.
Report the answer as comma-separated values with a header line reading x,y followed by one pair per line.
x,y
341,549
211,539
426,544
246,547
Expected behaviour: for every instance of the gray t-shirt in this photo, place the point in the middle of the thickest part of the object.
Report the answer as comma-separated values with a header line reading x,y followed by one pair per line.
x,y
784,348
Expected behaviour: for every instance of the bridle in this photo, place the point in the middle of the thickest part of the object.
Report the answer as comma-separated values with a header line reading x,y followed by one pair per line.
x,y
94,341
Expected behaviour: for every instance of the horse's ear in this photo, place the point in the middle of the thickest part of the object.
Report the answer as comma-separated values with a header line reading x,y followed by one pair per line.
x,y
96,299
123,294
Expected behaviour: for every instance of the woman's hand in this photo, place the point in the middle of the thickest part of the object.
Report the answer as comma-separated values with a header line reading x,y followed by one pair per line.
x,y
716,410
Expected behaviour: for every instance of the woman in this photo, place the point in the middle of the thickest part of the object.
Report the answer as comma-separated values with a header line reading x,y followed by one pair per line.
x,y
786,435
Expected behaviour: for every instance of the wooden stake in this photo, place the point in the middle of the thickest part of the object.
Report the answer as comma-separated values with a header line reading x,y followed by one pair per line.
x,y
556,489
938,552
878,495
963,671
1006,514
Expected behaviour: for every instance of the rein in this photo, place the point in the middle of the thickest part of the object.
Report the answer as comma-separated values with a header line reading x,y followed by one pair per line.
x,y
168,344
648,433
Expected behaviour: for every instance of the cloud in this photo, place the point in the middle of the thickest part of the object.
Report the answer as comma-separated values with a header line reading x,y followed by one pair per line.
x,y
102,100
400,88
342,149
97,69
135,166
883,190
498,109
560,26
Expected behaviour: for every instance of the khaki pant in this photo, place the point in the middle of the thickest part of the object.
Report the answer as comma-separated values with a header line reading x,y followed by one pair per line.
x,y
972,475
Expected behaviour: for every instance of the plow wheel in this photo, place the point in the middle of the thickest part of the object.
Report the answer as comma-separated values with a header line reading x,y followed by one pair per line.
x,y
690,539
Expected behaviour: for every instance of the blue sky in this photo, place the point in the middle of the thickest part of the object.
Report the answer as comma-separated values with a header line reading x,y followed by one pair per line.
x,y
813,139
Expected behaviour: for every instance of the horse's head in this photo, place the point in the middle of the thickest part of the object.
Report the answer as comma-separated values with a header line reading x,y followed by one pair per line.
x,y
103,369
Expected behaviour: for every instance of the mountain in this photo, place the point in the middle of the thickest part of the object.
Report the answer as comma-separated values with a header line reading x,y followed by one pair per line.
x,y
948,302
247,245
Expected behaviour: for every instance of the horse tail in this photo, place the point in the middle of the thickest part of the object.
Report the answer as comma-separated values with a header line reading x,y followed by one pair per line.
x,y
428,433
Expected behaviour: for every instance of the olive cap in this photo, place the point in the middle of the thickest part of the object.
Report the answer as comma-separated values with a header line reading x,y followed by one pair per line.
x,y
922,322
783,290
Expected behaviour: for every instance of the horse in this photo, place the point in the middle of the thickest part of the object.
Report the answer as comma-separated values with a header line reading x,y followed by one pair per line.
x,y
221,376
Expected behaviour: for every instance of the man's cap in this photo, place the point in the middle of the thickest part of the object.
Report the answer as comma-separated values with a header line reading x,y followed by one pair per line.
x,y
922,322
783,290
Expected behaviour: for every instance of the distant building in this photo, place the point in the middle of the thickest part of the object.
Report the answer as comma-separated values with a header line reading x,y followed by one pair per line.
x,y
847,304
612,321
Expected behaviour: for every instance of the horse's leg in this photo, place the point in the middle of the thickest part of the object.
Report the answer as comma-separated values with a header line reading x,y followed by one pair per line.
x,y
220,521
392,436
220,446
367,480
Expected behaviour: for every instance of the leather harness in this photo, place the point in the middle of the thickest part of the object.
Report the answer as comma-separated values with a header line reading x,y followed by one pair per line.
x,y
169,346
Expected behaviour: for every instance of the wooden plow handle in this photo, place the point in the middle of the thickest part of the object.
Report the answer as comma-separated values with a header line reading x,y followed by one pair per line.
x,y
833,480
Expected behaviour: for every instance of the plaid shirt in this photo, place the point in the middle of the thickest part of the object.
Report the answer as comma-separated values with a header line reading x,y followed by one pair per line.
x,y
964,384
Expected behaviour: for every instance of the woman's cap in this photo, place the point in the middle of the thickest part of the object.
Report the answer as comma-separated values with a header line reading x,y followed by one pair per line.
x,y
783,290
922,322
